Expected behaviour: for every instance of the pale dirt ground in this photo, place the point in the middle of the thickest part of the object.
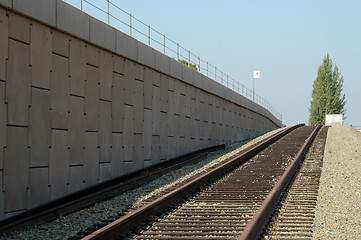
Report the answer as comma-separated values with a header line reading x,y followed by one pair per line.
x,y
338,211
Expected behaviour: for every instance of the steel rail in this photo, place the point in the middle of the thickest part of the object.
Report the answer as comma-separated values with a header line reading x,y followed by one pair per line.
x,y
254,229
123,224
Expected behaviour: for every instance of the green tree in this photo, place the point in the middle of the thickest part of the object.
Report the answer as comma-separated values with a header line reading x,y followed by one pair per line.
x,y
193,66
327,97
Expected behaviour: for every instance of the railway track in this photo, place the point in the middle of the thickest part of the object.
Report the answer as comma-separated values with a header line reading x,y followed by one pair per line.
x,y
218,205
293,216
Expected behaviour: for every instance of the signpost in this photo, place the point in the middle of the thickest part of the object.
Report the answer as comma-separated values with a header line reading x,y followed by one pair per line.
x,y
256,74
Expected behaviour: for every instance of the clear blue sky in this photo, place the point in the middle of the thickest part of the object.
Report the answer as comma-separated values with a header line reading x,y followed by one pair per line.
x,y
285,40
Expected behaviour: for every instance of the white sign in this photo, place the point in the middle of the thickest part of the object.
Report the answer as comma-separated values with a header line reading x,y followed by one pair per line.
x,y
334,120
256,74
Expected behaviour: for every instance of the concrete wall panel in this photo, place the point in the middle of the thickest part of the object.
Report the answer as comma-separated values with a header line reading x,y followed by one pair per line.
x,y
182,106
145,55
102,34
176,69
176,127
76,178
156,110
39,191
147,163
182,126
138,157
91,98
188,101
2,124
71,20
139,72
60,92
16,163
19,27
58,165
118,102
126,46
92,55
77,67
148,88
207,84
128,134
129,81
170,114
170,148
105,171
60,43
171,84
118,64
198,79
177,96
40,55
138,107
91,159
6,3
4,29
188,76
105,75
182,87
155,149
76,131
147,134
18,80
42,10
117,155
163,133
215,88
40,128
105,132
129,167
161,62
156,78
163,93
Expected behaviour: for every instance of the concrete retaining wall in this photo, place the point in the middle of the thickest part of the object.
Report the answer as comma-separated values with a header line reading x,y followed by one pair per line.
x,y
81,102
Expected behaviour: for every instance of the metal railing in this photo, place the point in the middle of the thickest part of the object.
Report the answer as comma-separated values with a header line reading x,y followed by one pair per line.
x,y
118,18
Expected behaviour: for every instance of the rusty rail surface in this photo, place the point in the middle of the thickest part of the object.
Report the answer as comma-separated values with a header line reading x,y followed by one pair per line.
x,y
137,217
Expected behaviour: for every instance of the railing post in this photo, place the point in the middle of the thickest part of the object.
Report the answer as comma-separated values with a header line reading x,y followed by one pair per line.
x,y
215,74
222,77
227,80
108,10
164,43
233,85
148,35
189,58
81,5
199,64
207,69
177,51
130,24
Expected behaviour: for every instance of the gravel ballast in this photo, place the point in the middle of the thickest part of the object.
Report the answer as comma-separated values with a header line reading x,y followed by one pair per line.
x,y
338,210
69,225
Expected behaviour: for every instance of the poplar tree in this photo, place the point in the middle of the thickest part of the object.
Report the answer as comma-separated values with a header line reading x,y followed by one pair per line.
x,y
327,97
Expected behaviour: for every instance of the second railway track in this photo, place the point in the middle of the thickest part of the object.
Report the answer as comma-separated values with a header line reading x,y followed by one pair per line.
x,y
294,215
221,209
